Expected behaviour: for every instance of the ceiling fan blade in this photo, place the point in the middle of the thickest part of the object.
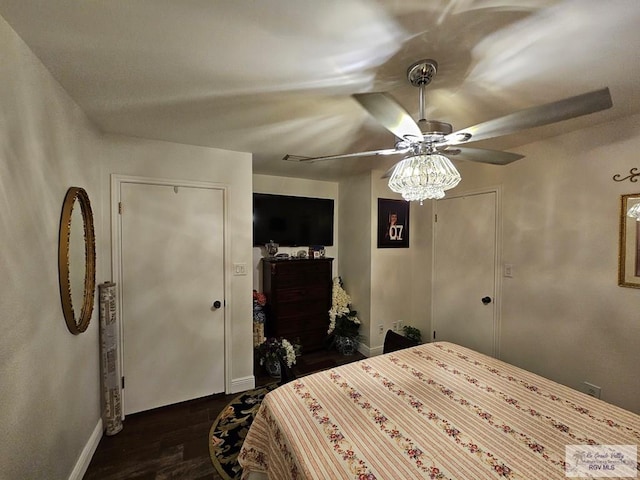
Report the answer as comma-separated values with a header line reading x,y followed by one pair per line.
x,y
482,155
372,153
534,117
390,114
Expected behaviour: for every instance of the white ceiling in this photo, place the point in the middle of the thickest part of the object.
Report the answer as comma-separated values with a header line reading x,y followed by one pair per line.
x,y
276,77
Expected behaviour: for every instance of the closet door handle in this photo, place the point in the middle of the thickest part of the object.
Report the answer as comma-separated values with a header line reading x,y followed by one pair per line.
x,y
217,304
486,300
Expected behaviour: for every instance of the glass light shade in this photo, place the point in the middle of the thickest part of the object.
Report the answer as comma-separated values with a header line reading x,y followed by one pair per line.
x,y
634,212
422,177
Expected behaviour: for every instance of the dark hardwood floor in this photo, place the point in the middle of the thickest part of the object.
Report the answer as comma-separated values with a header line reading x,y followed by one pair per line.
x,y
172,442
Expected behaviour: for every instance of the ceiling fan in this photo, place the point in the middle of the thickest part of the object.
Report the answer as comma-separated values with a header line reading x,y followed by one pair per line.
x,y
430,137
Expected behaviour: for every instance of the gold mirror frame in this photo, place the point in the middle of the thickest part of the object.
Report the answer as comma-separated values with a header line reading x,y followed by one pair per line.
x,y
79,325
629,248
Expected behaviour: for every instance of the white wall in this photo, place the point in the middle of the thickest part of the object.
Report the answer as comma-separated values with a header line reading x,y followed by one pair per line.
x,y
49,379
386,284
165,160
300,188
563,315
355,249
401,277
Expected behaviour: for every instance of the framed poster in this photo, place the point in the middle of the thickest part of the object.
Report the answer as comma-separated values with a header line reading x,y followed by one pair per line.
x,y
629,250
393,223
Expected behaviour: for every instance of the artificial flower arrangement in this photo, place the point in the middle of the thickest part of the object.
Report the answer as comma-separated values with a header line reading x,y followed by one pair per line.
x,y
259,317
278,349
259,298
343,321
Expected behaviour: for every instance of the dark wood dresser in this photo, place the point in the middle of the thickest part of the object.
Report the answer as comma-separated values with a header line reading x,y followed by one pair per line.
x,y
298,299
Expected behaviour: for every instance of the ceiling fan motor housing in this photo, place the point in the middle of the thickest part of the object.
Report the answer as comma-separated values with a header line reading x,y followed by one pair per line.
x,y
422,72
433,130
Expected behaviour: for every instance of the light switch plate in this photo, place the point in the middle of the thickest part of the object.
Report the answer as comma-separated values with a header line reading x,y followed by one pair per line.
x,y
239,268
508,270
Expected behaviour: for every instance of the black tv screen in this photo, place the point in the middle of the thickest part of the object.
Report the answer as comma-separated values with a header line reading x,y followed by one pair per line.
x,y
292,221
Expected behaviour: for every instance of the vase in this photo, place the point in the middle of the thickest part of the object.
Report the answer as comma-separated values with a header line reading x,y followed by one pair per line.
x,y
286,373
258,334
346,345
258,313
273,367
259,318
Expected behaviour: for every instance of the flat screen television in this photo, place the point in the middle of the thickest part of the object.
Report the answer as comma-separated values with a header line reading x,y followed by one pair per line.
x,y
292,221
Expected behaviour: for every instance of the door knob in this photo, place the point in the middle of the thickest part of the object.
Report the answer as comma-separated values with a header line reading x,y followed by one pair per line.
x,y
486,300
217,304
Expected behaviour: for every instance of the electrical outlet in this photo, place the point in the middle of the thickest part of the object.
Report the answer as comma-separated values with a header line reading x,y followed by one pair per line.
x,y
400,325
591,389
394,326
380,329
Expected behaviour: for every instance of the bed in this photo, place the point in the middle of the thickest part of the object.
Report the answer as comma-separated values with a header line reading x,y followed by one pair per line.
x,y
436,410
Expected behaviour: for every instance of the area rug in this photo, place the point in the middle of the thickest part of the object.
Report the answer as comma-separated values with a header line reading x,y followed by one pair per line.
x,y
230,429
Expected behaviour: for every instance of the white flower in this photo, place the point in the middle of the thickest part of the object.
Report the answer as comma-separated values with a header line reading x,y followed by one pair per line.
x,y
274,350
290,352
340,305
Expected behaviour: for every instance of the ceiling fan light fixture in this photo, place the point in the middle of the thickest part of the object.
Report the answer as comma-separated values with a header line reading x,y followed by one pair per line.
x,y
424,177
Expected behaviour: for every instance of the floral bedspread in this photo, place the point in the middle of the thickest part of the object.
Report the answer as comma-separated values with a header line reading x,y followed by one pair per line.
x,y
437,411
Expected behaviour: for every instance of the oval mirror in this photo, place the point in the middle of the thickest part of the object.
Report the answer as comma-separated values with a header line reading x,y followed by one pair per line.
x,y
77,260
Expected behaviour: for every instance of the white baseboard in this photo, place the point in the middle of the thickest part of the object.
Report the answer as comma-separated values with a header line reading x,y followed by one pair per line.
x,y
87,453
242,384
370,351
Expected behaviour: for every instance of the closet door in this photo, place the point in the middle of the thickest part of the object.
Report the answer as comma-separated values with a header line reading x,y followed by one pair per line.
x,y
465,265
172,272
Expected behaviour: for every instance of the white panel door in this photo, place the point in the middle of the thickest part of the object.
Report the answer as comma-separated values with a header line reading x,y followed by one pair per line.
x,y
172,271
465,260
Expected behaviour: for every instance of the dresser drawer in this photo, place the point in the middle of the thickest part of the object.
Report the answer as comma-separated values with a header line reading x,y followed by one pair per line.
x,y
288,274
318,308
300,267
298,299
301,293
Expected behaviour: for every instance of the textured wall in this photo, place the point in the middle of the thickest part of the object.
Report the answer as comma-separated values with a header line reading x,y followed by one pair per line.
x,y
50,403
302,188
563,315
50,378
355,247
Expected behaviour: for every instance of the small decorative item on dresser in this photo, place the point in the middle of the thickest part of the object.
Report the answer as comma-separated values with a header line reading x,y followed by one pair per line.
x,y
271,248
316,251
